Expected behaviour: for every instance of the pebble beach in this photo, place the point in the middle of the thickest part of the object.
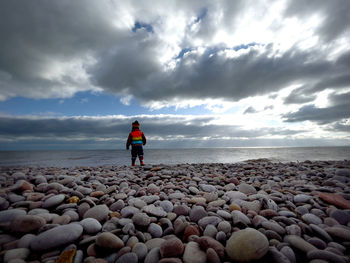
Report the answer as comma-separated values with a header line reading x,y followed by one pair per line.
x,y
252,211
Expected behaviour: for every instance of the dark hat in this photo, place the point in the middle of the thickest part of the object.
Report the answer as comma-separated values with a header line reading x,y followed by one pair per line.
x,y
135,124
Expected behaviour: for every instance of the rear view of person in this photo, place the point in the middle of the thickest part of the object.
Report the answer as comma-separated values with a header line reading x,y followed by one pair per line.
x,y
136,139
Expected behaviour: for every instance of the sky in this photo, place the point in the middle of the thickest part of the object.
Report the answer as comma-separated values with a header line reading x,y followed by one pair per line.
x,y
243,73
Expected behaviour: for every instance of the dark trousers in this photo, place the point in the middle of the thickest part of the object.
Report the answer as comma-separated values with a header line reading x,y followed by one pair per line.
x,y
136,150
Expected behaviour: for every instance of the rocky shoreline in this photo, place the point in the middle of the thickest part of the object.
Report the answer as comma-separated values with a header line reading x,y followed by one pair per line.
x,y
242,212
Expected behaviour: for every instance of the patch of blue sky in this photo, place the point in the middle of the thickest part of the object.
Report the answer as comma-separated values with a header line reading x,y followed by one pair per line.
x,y
201,16
87,104
140,25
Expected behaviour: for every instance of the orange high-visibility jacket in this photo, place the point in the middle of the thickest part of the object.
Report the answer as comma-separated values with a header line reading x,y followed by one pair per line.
x,y
136,137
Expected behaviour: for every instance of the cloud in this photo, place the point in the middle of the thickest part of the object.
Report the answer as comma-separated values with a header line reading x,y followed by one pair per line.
x,y
250,110
335,15
339,109
172,51
161,130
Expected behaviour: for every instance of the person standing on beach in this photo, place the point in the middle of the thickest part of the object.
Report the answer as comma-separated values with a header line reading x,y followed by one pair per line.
x,y
136,139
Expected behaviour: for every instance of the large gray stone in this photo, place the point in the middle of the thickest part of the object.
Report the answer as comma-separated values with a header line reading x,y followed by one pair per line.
x,y
56,237
99,212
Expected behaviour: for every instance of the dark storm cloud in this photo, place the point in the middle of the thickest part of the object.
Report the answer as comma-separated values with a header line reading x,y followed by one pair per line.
x,y
164,127
38,33
298,96
339,109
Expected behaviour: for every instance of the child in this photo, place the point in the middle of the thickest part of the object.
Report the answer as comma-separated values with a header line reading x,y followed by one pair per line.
x,y
136,139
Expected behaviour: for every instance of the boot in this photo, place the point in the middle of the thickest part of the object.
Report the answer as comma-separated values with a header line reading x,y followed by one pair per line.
x,y
141,160
133,161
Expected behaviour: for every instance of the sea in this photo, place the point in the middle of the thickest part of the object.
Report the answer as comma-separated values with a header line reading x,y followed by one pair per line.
x,y
73,158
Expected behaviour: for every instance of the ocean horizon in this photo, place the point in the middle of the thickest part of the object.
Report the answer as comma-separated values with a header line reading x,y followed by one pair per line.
x,y
119,157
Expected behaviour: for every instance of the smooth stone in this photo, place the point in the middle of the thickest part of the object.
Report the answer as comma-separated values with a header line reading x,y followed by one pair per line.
x,y
236,195
140,250
4,204
170,260
90,225
311,219
299,243
302,198
335,199
207,188
56,237
239,218
224,226
209,220
319,243
197,213
321,232
99,212
141,219
339,232
274,227
53,201
210,231
289,253
287,213
221,237
154,243
84,190
152,188
253,205
153,255
138,203
342,216
117,206
278,256
26,223
154,211
155,230
224,214
167,206
130,257
326,255
206,242
212,257
17,253
217,203
149,199
109,241
8,215
293,230
129,211
247,245
343,172
209,197
193,190
181,210
13,198
269,204
247,189
194,254
24,241
176,195
171,248
189,231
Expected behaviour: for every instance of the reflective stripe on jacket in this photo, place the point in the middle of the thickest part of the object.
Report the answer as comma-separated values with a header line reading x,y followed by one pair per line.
x,y
136,137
